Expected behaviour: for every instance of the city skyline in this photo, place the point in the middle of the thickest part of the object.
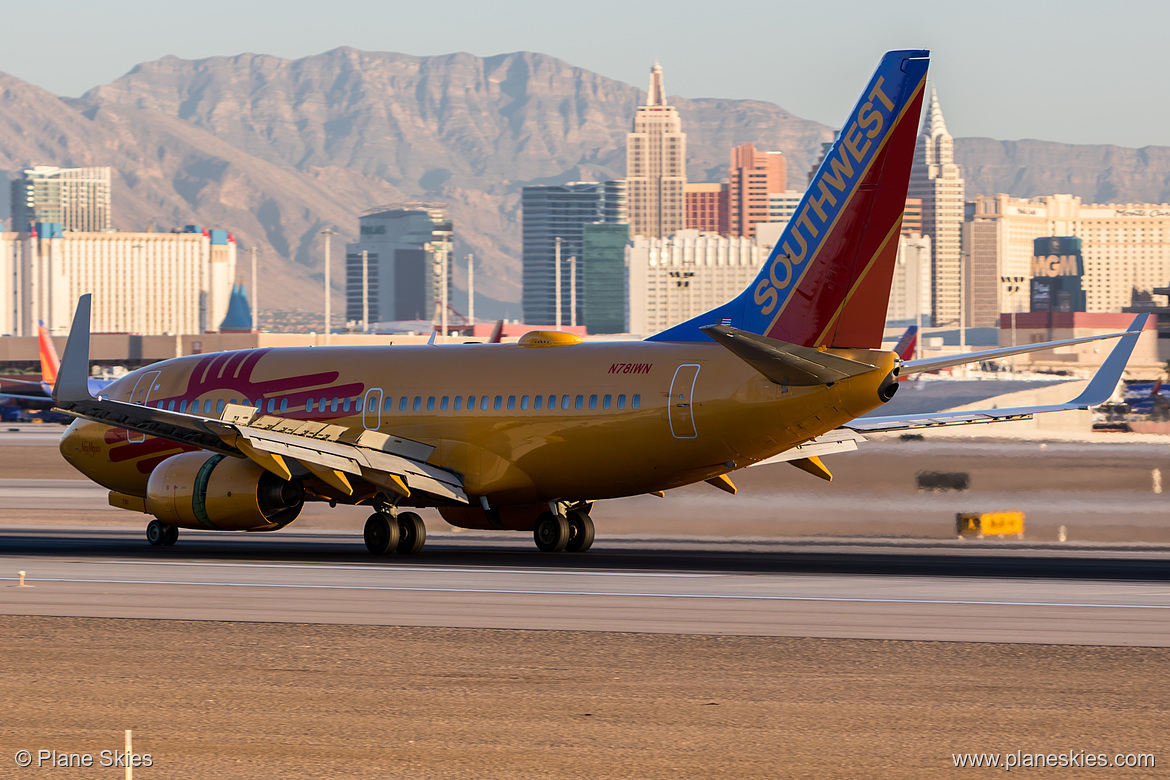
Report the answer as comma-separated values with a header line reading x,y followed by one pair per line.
x,y
1105,100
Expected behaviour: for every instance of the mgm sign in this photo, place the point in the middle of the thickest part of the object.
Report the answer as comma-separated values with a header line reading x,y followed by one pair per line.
x,y
1057,269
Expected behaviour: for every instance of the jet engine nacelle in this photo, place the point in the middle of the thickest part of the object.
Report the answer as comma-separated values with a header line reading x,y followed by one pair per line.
x,y
206,490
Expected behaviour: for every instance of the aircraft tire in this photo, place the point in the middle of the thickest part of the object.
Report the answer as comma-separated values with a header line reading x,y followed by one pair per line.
x,y
412,533
172,535
156,532
381,534
580,531
551,532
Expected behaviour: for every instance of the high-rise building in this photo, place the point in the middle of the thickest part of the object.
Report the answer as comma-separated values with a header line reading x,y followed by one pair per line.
x,y
782,205
936,180
1125,248
656,166
603,271
912,217
753,178
910,286
707,207
675,278
77,199
142,283
562,211
407,247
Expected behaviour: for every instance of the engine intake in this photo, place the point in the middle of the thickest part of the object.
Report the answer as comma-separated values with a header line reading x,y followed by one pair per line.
x,y
203,490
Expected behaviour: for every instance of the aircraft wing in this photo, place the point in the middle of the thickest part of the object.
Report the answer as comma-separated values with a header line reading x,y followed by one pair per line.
x,y
946,361
1099,390
831,443
331,453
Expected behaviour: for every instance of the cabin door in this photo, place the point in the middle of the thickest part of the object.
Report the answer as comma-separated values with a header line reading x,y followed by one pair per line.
x,y
143,388
682,390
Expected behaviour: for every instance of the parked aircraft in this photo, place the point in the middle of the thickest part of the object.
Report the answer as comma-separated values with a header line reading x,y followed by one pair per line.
x,y
528,436
39,394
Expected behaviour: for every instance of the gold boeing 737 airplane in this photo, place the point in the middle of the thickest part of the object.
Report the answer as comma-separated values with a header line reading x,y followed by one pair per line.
x,y
527,436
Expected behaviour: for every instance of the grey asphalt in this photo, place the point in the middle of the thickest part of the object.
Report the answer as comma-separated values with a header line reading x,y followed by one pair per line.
x,y
1034,593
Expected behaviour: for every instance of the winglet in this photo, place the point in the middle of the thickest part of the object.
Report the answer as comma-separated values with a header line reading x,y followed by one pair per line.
x,y
73,380
1103,384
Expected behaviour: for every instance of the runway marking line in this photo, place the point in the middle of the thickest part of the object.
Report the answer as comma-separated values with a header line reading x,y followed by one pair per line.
x,y
511,592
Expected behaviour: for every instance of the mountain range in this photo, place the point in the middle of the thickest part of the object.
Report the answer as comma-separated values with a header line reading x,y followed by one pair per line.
x,y
276,150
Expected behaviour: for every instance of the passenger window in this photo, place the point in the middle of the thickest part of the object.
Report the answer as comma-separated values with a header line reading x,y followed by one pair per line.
x,y
219,406
171,406
247,402
357,405
458,402
271,405
283,405
564,402
444,403
499,402
483,401
324,403
524,402
622,401
183,405
207,406
552,402
234,401
345,405
606,401
430,403
636,401
577,404
389,404
537,402
592,402
259,404
471,403
511,402
402,404
309,405
417,402
333,405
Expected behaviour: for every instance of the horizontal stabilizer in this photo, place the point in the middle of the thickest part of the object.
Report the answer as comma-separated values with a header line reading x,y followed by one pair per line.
x,y
786,363
1099,390
965,358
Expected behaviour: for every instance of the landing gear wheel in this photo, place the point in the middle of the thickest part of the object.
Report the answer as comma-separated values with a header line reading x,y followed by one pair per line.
x,y
551,532
412,533
580,531
381,534
172,535
156,532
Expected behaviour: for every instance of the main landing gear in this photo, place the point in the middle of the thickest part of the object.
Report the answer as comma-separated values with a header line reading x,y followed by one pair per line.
x,y
161,534
401,532
571,532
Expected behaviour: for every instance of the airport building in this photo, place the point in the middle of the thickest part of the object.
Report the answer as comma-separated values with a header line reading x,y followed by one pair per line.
x,y
143,283
551,212
754,177
936,181
1125,249
656,166
407,247
673,279
77,199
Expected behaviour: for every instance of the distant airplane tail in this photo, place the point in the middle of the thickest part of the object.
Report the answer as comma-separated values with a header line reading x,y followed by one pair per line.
x,y
906,344
497,332
50,363
827,281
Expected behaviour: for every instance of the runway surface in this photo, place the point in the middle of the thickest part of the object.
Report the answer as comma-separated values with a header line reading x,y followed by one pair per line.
x,y
1107,595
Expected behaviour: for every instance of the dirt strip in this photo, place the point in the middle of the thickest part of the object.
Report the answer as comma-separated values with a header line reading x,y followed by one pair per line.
x,y
229,700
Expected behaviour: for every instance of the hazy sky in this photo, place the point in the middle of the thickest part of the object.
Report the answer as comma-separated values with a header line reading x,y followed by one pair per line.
x,y
1073,71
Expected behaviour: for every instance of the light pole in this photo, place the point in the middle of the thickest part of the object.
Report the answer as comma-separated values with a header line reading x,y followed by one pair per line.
x,y
1012,285
365,291
573,291
255,296
327,232
471,291
557,279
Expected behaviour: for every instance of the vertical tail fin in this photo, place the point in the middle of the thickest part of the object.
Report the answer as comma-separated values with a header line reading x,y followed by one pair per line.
x,y
50,363
827,281
905,346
